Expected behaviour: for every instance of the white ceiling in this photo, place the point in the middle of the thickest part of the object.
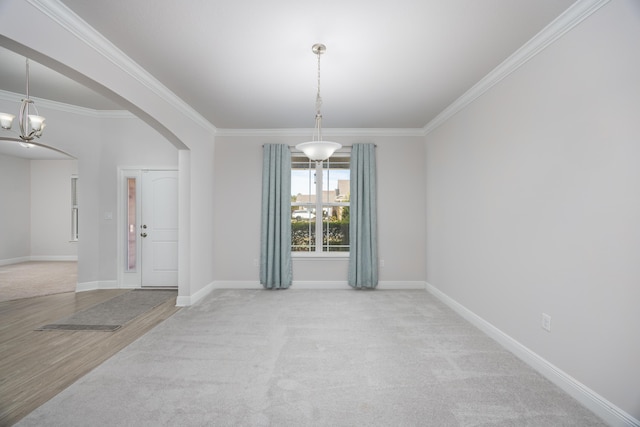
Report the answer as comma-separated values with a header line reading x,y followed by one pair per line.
x,y
46,83
247,64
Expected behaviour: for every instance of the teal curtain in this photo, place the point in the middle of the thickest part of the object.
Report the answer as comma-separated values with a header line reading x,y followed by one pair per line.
x,y
275,231
363,235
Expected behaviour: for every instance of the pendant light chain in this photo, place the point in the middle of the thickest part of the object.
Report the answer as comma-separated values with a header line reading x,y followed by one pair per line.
x,y
26,132
317,149
318,126
27,77
318,97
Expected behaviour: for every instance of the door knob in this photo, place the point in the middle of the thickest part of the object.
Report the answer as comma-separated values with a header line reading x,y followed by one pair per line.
x,y
143,234
144,225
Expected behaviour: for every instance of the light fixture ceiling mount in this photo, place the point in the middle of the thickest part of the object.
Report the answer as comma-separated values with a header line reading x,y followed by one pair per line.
x,y
318,48
317,149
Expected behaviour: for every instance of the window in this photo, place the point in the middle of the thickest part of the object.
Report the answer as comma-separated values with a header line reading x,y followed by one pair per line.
x,y
74,208
132,234
320,204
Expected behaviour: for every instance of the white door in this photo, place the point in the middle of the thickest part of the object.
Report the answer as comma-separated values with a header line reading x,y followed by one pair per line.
x,y
159,228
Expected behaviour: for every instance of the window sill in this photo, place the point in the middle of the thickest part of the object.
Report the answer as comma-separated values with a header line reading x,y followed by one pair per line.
x,y
318,257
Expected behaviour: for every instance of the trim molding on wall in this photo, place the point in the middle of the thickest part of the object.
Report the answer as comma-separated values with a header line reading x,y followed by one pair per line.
x,y
54,258
574,15
609,412
304,132
98,284
184,301
402,285
187,300
18,260
38,258
324,285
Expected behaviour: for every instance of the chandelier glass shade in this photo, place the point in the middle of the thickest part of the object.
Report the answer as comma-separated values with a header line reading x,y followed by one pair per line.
x,y
30,125
318,149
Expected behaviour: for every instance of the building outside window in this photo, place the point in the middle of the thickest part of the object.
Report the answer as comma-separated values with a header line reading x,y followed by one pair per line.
x,y
320,204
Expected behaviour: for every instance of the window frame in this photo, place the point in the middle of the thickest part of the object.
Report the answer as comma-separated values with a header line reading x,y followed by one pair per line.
x,y
74,209
320,168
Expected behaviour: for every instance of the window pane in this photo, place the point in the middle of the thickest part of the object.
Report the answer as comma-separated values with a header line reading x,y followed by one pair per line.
x,y
336,180
74,224
303,183
303,236
131,224
335,208
335,233
74,208
303,202
320,194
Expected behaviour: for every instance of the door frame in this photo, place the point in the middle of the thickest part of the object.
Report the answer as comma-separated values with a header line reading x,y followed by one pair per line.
x,y
131,279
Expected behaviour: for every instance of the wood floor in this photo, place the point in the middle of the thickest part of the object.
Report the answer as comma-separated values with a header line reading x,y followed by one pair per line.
x,y
37,365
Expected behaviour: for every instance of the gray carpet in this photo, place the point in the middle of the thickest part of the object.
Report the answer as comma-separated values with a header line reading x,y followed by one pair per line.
x,y
37,278
313,358
114,313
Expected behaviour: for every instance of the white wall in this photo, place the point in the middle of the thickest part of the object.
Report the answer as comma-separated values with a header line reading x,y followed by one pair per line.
x,y
101,144
533,200
15,208
67,45
401,205
51,209
125,143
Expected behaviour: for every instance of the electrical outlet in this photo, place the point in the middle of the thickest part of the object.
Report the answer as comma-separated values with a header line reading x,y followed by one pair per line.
x,y
546,322
256,263
381,263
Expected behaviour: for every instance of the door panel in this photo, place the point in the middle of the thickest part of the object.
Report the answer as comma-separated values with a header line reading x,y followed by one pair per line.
x,y
159,229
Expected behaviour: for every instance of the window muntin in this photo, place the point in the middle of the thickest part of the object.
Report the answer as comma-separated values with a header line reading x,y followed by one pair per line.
x,y
320,201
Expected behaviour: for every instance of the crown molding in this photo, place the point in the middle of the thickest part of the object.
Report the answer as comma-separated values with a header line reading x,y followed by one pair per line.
x,y
573,16
307,133
67,108
66,18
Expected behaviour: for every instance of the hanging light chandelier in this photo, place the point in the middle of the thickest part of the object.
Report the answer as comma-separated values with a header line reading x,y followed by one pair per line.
x,y
317,149
31,125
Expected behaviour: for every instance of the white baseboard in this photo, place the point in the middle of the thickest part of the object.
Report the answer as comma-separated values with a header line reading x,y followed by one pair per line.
x,y
99,284
185,301
609,412
404,286
236,284
312,284
297,284
18,260
53,258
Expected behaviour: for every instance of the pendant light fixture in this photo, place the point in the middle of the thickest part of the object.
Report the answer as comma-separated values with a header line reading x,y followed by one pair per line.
x,y
317,149
31,125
